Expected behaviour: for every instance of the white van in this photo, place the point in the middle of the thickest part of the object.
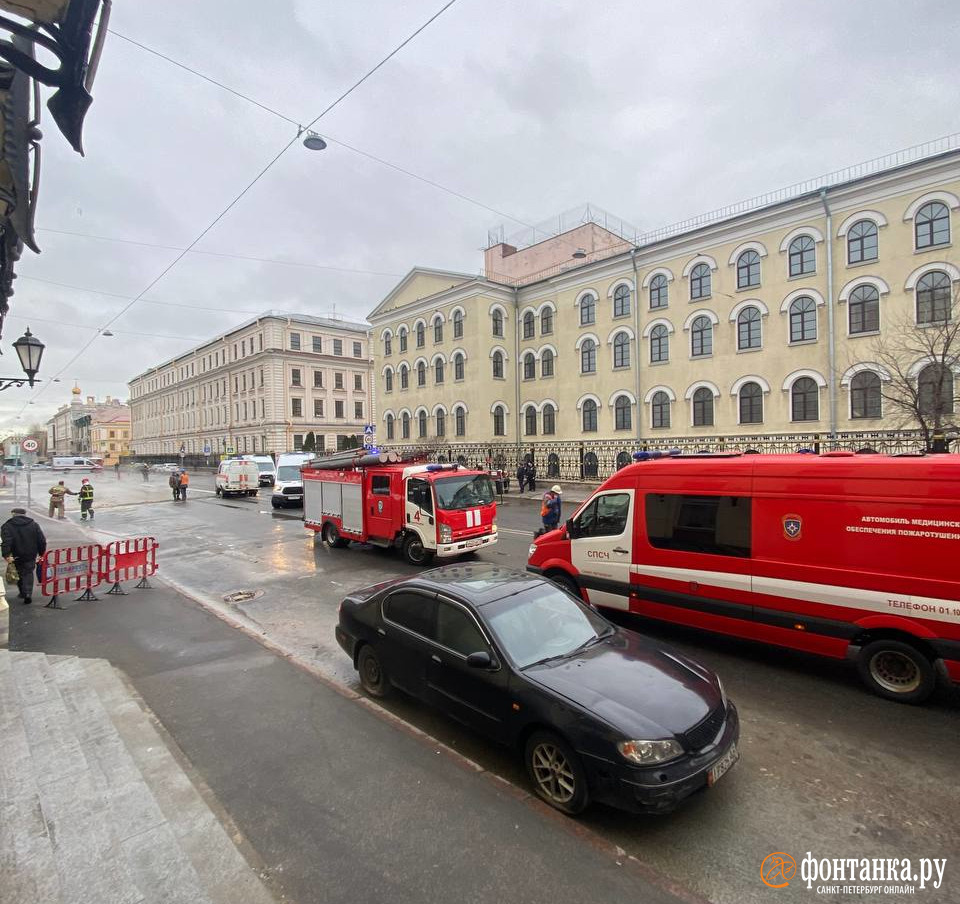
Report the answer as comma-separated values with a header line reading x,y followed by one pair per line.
x,y
268,470
237,477
288,488
75,464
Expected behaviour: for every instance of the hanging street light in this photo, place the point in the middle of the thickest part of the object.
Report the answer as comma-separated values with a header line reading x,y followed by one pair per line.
x,y
29,351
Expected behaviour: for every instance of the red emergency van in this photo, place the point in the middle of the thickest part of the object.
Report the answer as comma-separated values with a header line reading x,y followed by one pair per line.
x,y
427,510
838,554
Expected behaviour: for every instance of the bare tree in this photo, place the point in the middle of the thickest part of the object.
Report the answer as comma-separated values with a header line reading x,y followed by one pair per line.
x,y
920,353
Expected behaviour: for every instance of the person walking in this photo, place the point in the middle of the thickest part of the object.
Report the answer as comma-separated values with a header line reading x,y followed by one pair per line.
x,y
521,476
116,468
145,471
86,499
184,483
175,485
550,510
58,496
530,470
22,542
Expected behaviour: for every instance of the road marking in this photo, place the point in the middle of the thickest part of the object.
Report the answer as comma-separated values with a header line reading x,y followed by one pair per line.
x,y
510,530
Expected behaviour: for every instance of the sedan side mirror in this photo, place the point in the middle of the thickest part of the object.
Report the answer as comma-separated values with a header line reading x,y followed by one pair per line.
x,y
481,660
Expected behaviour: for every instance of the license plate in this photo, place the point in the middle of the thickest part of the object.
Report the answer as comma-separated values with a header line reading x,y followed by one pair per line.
x,y
722,766
472,543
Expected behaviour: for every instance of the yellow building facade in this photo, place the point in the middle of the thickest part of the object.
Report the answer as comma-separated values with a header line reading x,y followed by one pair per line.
x,y
751,330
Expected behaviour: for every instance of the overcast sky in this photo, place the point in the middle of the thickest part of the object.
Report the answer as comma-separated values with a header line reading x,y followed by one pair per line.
x,y
653,111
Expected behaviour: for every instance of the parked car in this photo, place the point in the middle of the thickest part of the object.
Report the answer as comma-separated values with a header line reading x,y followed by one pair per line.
x,y
237,477
167,467
597,711
288,488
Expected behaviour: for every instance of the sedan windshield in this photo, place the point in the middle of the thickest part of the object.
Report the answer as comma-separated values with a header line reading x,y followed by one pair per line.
x,y
264,466
455,493
288,472
543,623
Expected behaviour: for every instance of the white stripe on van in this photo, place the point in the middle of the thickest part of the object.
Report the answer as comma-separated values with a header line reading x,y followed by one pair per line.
x,y
829,594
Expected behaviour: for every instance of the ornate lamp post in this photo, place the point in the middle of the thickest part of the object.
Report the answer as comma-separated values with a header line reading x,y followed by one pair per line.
x,y
29,351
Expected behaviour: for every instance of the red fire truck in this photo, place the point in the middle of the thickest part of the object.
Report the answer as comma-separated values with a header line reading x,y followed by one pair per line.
x,y
427,510
838,554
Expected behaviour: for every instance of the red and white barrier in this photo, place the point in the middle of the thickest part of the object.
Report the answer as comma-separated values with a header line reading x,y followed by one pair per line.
x,y
127,560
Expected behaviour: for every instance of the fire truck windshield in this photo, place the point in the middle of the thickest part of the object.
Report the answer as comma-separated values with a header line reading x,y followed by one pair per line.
x,y
454,493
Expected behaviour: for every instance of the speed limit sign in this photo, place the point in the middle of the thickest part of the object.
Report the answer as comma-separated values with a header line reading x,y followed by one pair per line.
x,y
30,445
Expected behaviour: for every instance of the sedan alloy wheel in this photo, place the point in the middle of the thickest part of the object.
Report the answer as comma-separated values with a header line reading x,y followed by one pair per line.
x,y
556,772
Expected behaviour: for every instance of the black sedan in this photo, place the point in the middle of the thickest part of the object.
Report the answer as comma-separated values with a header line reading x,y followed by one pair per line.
x,y
599,712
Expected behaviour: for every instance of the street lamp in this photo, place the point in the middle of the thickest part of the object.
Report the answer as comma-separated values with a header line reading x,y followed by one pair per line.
x,y
29,351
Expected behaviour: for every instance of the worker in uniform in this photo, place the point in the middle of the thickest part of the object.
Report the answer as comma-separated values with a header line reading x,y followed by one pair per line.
x,y
184,483
58,495
86,499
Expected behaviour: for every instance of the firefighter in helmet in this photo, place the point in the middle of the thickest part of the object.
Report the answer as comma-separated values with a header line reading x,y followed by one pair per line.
x,y
86,499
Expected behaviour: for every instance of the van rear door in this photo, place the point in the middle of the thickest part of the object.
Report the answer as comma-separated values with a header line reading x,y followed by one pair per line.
x,y
601,546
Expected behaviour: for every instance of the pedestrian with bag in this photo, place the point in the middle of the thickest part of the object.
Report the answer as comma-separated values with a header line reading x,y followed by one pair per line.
x,y
22,543
86,499
58,496
175,485
184,483
550,510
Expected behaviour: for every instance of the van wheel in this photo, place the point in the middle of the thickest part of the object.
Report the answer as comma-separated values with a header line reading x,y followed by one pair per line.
x,y
567,583
414,551
556,772
897,671
331,536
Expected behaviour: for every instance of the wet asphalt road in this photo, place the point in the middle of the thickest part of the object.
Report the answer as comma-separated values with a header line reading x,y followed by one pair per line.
x,y
827,768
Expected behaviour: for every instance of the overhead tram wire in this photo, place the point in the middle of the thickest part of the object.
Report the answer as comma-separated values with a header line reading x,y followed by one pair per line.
x,y
182,254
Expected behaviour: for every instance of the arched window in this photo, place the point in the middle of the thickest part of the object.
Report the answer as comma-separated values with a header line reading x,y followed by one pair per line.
x,y
862,242
659,344
700,282
421,335
546,321
438,371
529,325
803,319
588,357
864,304
621,413
438,330
588,310
458,366
933,297
530,421
748,270
402,336
932,225
621,350
935,390
748,329
388,344
421,374
422,424
549,420
496,320
458,324
499,421
591,466
546,363
701,337
803,256
498,365
388,380
390,427
404,376
621,301
865,395
460,420
441,419
751,404
703,407
805,400
529,366
405,426
659,292
660,410
553,464
589,416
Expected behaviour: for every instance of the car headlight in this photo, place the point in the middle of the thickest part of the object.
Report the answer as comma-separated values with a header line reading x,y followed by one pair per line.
x,y
446,535
531,550
647,753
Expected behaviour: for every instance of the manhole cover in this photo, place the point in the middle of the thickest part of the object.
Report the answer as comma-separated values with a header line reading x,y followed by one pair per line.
x,y
242,596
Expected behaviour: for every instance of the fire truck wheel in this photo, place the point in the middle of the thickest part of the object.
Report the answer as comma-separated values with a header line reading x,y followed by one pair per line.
x,y
331,536
373,678
897,671
414,552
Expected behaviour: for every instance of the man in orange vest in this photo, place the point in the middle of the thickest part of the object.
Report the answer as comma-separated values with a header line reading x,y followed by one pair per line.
x,y
184,483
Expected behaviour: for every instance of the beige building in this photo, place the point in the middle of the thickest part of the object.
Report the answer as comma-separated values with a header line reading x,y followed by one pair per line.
x,y
262,387
110,435
71,430
755,326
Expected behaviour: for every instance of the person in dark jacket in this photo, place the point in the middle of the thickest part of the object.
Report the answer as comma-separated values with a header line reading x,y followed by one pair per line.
x,y
86,499
550,510
521,477
530,471
23,541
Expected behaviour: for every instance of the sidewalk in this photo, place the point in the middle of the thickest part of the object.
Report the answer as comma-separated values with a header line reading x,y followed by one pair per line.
x,y
340,801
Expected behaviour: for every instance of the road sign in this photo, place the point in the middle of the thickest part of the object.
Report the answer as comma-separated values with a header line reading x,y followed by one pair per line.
x,y
30,445
29,458
183,449
206,450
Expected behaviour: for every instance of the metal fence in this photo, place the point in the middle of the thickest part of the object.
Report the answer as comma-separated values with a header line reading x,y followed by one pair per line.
x,y
597,460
